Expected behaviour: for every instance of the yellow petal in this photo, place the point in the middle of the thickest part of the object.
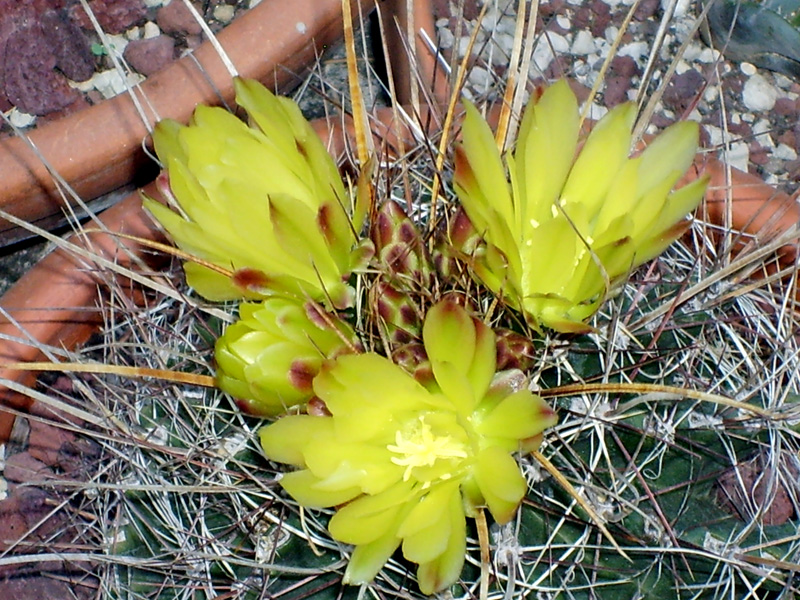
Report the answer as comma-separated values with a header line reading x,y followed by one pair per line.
x,y
600,159
445,570
671,152
426,530
520,415
285,439
304,488
369,518
480,174
500,481
368,559
545,152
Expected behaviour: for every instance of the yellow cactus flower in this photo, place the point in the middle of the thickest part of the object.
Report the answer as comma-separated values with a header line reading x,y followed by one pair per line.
x,y
268,359
264,201
408,462
574,219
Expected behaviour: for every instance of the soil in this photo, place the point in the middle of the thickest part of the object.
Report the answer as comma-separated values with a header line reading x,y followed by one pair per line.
x,y
55,63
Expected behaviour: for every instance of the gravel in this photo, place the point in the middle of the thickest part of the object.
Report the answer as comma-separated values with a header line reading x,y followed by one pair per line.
x,y
750,115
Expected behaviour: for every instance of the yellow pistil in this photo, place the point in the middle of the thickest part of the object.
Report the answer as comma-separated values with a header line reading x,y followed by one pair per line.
x,y
421,448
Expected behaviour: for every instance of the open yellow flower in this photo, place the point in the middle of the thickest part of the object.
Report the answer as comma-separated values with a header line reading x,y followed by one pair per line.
x,y
407,462
570,223
263,200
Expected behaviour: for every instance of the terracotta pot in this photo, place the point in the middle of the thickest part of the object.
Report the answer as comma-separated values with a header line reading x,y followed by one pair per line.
x,y
100,149
56,303
422,68
756,209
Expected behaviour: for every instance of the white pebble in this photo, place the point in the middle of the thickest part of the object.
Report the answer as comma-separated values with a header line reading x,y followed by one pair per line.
x,y
636,50
563,22
480,78
505,42
223,13
782,82
709,55
716,136
682,67
154,3
748,69
151,30
489,23
596,111
253,3
738,156
446,38
711,94
759,94
134,33
761,133
110,83
551,45
117,43
21,119
785,152
583,43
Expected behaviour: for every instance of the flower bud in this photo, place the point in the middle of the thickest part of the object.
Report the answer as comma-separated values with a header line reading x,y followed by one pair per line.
x,y
267,360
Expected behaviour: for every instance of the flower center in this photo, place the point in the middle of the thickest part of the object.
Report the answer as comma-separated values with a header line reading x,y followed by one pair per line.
x,y
419,447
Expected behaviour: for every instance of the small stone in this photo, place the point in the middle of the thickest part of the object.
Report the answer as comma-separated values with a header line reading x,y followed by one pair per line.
x,y
45,442
748,69
176,18
623,66
110,83
21,119
738,156
636,50
709,55
31,82
616,90
549,46
646,9
73,55
761,133
583,44
480,79
117,44
224,13
151,55
114,16
134,33
151,30
784,107
680,8
682,90
759,95
446,39
785,152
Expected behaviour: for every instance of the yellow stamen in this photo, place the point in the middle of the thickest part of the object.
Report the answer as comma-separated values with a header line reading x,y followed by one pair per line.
x,y
421,448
